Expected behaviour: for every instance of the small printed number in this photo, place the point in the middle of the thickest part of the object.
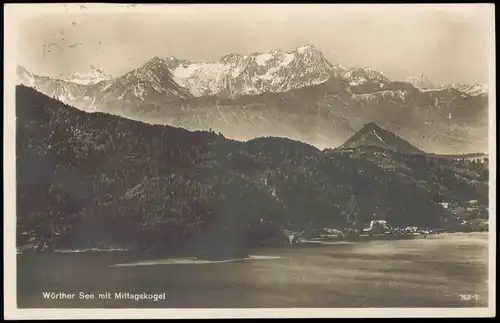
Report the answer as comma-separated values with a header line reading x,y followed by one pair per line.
x,y
469,297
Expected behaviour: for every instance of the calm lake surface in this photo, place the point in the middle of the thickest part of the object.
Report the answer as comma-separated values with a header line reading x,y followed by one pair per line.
x,y
431,272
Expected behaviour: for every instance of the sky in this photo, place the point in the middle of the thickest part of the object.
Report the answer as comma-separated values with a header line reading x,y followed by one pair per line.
x,y
448,44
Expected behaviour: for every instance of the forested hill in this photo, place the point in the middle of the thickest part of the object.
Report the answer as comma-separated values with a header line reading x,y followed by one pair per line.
x,y
97,180
88,179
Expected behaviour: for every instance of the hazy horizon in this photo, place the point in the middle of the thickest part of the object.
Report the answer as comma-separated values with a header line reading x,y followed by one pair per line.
x,y
448,44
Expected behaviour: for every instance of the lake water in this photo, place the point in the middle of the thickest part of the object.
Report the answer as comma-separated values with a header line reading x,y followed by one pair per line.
x,y
430,272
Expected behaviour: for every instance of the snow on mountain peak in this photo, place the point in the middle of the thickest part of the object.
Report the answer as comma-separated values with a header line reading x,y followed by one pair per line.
x,y
358,76
234,75
471,89
305,48
95,76
261,59
231,58
24,76
421,81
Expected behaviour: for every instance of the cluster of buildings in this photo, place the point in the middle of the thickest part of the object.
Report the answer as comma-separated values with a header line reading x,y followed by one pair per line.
x,y
375,228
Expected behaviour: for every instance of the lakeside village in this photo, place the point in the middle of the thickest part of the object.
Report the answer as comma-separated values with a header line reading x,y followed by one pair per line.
x,y
466,217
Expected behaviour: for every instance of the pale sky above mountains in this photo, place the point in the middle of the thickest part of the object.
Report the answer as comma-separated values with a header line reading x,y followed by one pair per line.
x,y
447,44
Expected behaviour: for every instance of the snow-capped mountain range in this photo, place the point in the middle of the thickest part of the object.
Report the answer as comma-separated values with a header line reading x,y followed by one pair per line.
x,y
94,76
235,75
297,94
471,89
422,82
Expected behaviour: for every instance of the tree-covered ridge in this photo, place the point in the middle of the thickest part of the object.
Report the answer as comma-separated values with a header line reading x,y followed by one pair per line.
x,y
95,178
90,180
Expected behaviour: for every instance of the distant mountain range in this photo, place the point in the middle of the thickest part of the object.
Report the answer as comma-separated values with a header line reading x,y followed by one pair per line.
x,y
422,82
297,94
94,76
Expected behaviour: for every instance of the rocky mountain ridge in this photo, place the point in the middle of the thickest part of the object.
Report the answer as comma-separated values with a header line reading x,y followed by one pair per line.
x,y
422,82
299,95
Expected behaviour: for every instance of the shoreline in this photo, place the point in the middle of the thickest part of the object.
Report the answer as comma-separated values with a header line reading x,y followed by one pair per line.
x,y
194,261
304,243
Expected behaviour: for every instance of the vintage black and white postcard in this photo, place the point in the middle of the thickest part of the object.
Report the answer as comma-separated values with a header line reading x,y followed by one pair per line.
x,y
238,160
